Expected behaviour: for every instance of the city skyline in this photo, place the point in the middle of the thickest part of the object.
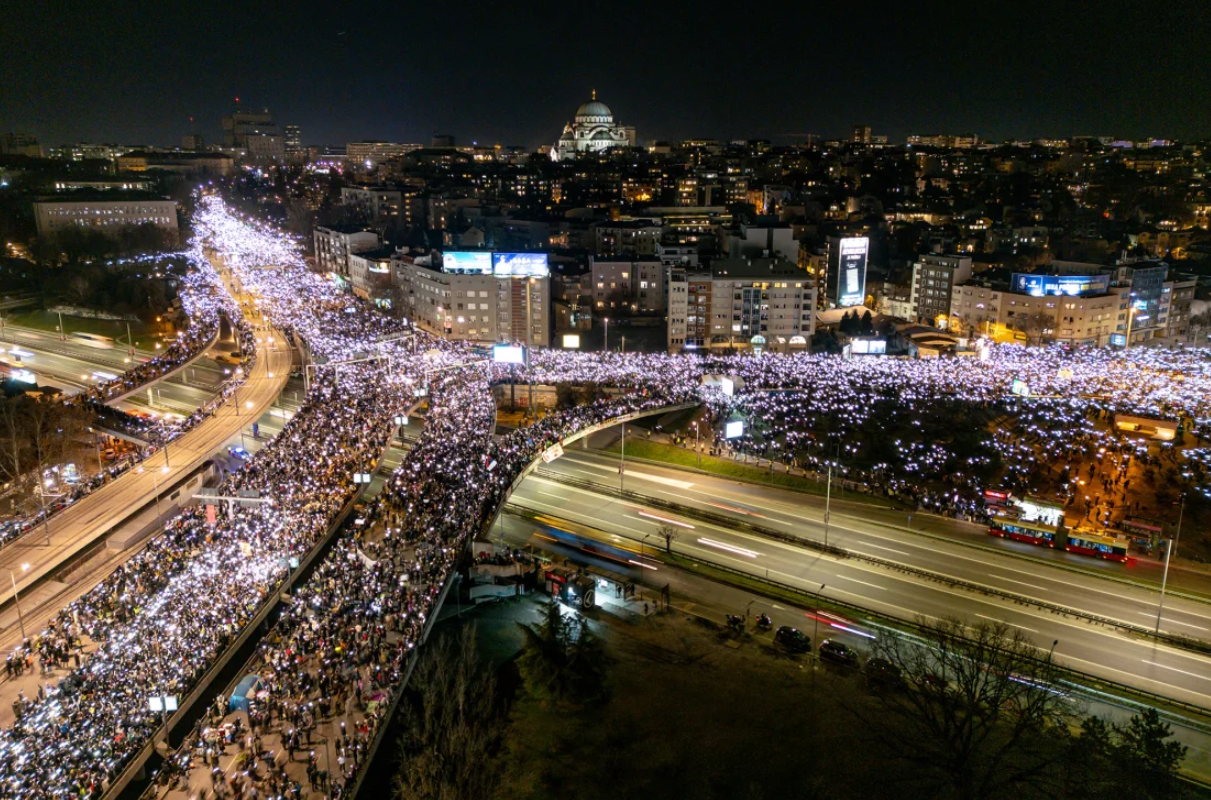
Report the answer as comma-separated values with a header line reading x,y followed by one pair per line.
x,y
1012,72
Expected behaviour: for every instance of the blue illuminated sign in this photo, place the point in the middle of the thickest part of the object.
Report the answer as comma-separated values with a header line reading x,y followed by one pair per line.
x,y
479,263
1072,285
530,265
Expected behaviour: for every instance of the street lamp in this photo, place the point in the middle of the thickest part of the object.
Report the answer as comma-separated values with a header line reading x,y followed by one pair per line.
x,y
16,599
696,449
1169,552
606,320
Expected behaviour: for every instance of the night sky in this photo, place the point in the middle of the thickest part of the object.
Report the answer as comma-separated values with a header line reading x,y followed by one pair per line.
x,y
515,73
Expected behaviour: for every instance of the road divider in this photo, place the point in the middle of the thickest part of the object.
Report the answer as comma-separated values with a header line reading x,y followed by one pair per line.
x,y
1176,640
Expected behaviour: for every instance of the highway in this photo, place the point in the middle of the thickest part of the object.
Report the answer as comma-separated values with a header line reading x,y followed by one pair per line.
x,y
74,529
1087,647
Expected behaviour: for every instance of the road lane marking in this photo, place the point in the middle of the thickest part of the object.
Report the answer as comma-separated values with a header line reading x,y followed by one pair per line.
x,y
1007,622
1023,583
864,583
1175,669
891,549
1173,621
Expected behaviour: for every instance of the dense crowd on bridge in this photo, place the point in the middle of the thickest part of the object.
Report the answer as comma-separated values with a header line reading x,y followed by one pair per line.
x,y
164,617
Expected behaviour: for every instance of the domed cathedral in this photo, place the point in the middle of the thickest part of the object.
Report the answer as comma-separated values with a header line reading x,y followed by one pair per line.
x,y
591,131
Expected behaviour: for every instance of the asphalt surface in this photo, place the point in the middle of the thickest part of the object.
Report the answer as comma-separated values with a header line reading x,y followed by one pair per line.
x,y
74,529
1090,648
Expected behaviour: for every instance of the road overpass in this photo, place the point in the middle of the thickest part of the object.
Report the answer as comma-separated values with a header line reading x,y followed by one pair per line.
x,y
73,530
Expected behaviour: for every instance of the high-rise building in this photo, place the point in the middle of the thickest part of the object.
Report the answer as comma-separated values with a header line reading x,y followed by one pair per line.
x,y
860,134
256,134
20,144
192,142
293,140
933,279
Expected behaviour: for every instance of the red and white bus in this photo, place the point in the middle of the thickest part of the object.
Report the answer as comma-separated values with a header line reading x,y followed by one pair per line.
x,y
1029,532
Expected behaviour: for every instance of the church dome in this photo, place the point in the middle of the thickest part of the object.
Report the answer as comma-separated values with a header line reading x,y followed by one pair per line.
x,y
594,108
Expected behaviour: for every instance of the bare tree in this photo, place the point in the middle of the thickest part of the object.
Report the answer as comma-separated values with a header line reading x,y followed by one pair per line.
x,y
669,534
452,726
980,706
14,438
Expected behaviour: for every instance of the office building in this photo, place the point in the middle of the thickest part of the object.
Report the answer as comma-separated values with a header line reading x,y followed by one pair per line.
x,y
180,163
945,140
193,142
20,144
256,135
480,297
369,155
933,279
860,134
104,211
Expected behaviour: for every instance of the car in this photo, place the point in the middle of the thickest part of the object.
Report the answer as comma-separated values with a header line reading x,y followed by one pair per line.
x,y
882,674
228,358
238,452
794,640
838,653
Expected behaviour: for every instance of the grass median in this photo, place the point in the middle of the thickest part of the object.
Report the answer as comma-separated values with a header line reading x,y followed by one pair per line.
x,y
748,473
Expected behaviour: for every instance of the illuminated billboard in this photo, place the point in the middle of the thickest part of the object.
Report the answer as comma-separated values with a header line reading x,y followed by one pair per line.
x,y
1071,285
473,263
571,341
508,354
525,265
869,347
851,275
734,429
1020,388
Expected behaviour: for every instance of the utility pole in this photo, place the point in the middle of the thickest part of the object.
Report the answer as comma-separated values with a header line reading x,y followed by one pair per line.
x,y
529,345
622,467
1168,553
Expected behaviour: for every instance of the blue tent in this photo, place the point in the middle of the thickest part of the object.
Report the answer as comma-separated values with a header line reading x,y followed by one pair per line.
x,y
246,688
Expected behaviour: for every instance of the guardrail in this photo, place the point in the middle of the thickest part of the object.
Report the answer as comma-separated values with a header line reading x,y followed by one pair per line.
x,y
1082,680
1187,643
204,685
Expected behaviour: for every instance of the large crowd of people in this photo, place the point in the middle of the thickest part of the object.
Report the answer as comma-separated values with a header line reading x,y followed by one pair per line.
x,y
343,644
205,302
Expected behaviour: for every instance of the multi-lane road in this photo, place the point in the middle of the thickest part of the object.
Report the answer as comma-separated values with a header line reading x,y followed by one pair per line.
x,y
1098,650
74,529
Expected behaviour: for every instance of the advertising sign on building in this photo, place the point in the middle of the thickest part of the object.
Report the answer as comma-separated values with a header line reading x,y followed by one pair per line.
x,y
525,265
851,280
478,263
1071,285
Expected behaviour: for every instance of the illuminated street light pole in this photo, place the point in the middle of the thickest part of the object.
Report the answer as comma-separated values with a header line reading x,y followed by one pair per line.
x,y
1168,553
606,347
17,599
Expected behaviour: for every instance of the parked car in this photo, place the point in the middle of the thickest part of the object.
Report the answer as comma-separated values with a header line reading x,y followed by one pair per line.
x,y
882,674
794,640
838,653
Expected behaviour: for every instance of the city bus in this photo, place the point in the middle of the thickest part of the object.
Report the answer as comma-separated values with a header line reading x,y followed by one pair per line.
x,y
1029,532
94,340
1089,543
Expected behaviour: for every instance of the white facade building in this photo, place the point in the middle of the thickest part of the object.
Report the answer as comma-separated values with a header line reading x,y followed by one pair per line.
x,y
104,214
592,131
484,308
